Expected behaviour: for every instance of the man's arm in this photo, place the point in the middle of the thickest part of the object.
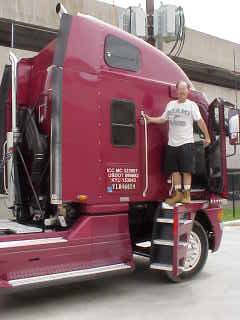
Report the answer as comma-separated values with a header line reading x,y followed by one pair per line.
x,y
202,125
157,120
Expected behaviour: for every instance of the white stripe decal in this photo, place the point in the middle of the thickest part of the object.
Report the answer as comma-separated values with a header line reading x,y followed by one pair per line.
x,y
24,243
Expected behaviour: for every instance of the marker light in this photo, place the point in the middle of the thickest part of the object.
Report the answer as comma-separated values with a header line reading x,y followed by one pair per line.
x,y
220,215
82,197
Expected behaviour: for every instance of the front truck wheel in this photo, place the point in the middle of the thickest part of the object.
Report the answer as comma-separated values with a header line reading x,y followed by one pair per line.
x,y
197,254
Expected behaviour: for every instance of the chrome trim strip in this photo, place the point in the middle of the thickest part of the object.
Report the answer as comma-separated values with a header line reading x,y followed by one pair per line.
x,y
198,190
169,243
24,243
145,244
160,266
69,275
168,220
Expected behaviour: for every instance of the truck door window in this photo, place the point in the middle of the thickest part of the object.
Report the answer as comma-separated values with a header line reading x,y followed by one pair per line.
x,y
199,173
121,54
123,123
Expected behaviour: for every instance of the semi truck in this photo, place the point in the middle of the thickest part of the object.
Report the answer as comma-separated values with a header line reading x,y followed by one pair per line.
x,y
83,170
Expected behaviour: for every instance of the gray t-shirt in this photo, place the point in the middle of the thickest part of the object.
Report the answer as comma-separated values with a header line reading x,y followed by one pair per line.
x,y
181,116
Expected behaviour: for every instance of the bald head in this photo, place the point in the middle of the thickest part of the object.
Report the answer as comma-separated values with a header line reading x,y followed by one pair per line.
x,y
182,88
182,83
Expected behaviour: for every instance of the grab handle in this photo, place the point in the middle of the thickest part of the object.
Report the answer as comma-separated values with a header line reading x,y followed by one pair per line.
x,y
4,167
146,153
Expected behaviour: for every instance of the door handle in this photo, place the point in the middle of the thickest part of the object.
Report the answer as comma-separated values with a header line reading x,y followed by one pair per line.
x,y
146,152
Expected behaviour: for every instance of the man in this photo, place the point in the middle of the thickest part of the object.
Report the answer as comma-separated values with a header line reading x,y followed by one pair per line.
x,y
181,114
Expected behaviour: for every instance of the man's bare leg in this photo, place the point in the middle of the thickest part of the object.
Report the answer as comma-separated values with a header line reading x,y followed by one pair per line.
x,y
177,180
187,181
177,184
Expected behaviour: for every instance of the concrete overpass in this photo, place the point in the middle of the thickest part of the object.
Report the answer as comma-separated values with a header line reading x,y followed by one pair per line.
x,y
207,60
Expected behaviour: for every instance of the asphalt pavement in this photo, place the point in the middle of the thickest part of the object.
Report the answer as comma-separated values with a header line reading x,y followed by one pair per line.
x,y
143,294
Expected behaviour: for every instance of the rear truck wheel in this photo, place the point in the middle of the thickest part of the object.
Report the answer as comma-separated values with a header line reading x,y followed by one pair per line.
x,y
197,254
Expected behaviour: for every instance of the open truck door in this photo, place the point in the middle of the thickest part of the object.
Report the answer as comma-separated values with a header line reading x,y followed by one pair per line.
x,y
216,153
223,123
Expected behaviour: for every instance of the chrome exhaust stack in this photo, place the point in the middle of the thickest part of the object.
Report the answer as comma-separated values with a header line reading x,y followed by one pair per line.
x,y
13,135
60,10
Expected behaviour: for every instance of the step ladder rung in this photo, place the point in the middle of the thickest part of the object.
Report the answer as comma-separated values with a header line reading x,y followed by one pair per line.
x,y
169,242
164,220
167,220
163,266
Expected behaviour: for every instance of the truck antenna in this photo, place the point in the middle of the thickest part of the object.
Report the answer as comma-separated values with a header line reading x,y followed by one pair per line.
x,y
235,77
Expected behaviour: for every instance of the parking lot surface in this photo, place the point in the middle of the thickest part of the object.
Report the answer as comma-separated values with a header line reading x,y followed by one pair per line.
x,y
143,294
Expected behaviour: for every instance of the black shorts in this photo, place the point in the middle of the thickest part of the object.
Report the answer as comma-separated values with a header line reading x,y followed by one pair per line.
x,y
179,159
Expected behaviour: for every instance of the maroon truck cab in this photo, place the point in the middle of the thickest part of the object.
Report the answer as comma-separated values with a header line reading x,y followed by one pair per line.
x,y
83,174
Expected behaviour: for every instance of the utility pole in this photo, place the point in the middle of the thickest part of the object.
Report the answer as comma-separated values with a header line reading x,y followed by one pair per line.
x,y
114,14
150,21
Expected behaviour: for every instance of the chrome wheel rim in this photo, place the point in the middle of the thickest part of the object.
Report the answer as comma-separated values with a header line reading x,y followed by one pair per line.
x,y
194,251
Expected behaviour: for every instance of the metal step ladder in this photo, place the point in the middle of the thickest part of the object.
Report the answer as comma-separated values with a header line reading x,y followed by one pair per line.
x,y
171,232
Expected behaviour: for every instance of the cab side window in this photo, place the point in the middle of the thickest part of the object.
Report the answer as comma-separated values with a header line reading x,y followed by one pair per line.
x,y
123,123
121,54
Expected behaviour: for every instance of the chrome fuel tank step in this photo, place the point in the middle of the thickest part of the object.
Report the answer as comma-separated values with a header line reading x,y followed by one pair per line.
x,y
68,276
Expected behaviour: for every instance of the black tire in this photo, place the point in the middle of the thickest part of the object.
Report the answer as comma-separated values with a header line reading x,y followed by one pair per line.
x,y
201,233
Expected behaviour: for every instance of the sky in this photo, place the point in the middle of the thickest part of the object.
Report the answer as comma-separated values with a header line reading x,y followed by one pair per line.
x,y
216,17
